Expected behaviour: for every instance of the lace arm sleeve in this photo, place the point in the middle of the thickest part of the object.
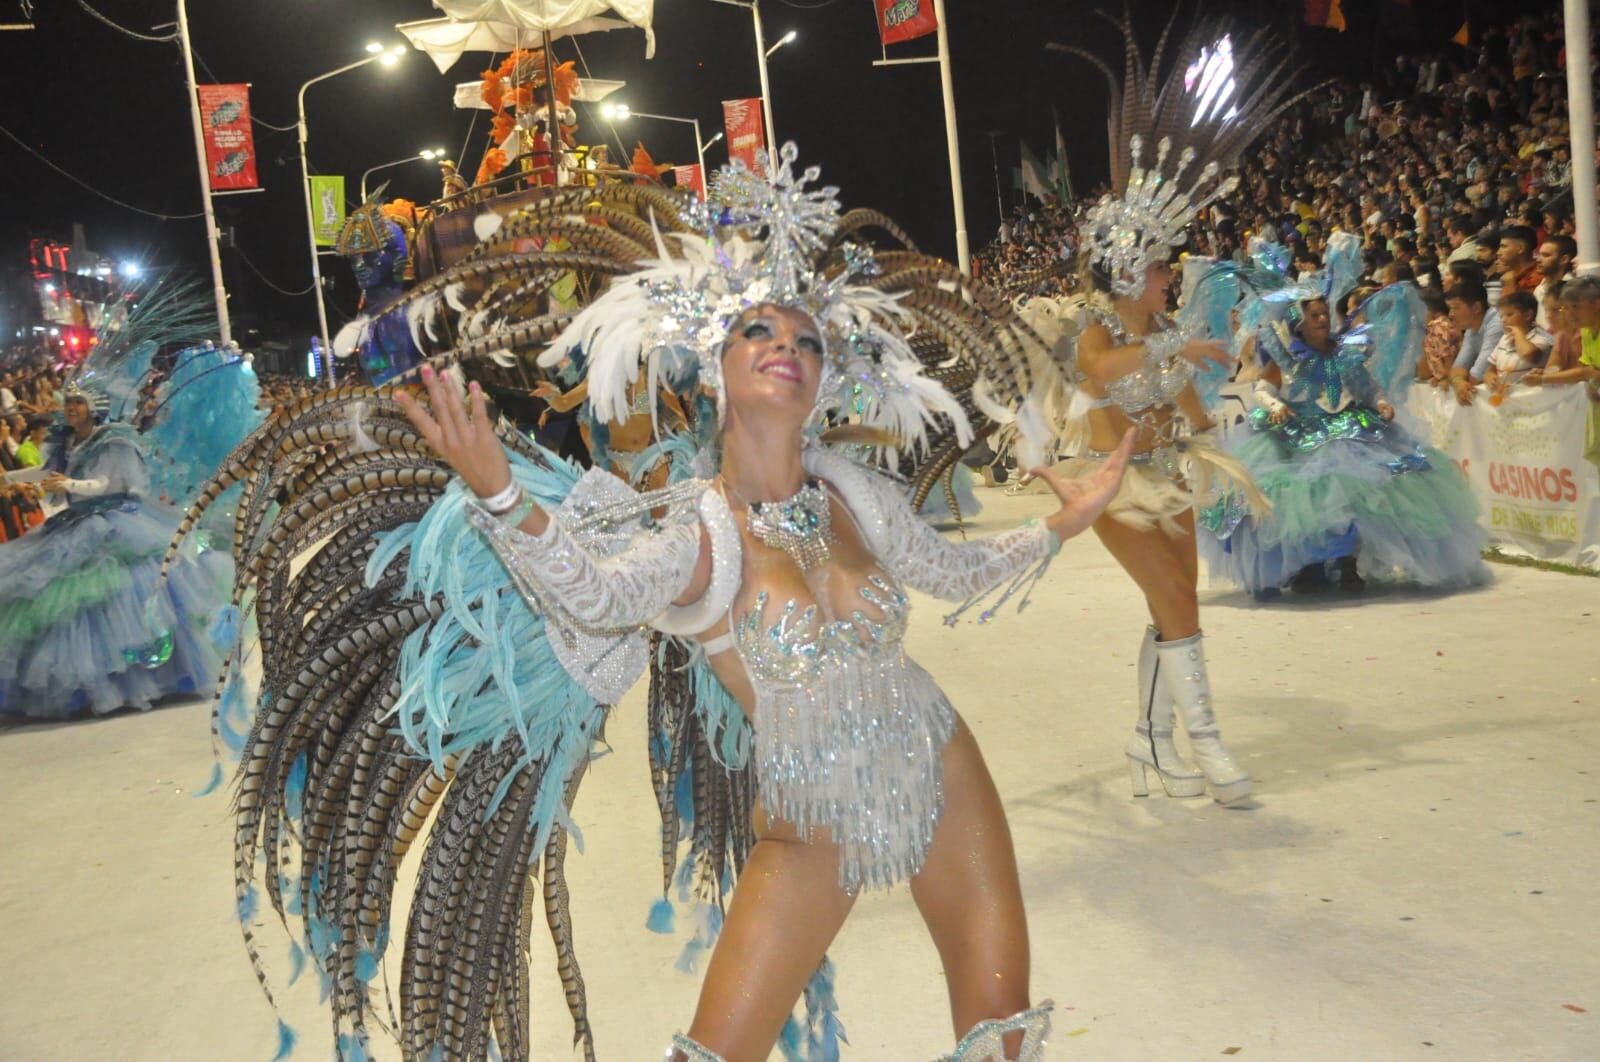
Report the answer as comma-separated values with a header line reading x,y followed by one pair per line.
x,y
925,560
627,589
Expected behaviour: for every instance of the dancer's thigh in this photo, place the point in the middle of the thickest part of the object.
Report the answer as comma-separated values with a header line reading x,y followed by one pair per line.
x,y
1165,569
784,914
970,897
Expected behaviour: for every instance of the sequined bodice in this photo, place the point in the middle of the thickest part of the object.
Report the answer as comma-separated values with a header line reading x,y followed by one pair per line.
x,y
1147,386
798,645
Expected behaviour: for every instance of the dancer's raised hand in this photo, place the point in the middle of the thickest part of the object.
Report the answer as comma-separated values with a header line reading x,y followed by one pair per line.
x,y
1083,500
464,437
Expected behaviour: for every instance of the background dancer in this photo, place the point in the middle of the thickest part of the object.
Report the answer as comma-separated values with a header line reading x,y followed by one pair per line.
x,y
1170,148
1349,486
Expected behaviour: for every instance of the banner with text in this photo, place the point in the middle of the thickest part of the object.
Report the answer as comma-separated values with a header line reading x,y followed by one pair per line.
x,y
230,142
1526,459
689,177
742,119
905,20
327,208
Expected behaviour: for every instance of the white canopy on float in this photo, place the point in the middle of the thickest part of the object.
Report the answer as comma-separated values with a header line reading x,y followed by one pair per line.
x,y
556,17
445,40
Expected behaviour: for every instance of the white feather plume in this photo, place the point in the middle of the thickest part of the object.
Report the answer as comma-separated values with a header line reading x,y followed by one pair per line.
x,y
351,337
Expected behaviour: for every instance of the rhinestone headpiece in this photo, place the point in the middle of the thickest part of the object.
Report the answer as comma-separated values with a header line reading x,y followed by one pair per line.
x,y
1126,234
759,239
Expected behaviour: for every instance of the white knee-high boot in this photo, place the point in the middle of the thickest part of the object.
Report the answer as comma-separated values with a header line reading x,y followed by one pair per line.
x,y
1182,671
1151,747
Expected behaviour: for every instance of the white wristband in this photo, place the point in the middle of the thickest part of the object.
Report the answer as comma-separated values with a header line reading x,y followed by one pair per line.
x,y
502,501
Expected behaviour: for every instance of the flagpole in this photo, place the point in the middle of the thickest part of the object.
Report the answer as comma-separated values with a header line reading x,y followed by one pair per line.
x,y
213,242
1580,119
947,86
999,196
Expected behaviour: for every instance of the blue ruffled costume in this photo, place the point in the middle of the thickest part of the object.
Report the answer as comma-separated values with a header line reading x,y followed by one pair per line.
x,y
86,623
1343,481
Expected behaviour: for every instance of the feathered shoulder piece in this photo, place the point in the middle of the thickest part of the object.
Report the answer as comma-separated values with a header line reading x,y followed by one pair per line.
x,y
1197,111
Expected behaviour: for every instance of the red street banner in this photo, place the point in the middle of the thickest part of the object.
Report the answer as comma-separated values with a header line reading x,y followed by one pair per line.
x,y
689,177
742,118
230,144
905,20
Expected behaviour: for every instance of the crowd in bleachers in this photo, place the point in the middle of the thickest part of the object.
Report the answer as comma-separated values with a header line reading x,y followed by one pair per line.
x,y
1453,167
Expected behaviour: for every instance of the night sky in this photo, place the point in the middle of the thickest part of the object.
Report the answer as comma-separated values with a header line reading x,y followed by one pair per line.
x,y
112,111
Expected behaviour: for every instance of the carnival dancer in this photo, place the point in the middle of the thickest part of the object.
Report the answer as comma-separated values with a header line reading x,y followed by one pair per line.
x,y
85,621
472,667
1137,369
1350,487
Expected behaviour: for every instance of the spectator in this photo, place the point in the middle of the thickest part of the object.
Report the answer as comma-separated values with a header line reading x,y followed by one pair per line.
x,y
1515,262
1579,361
1442,342
30,454
1479,324
1556,255
1523,344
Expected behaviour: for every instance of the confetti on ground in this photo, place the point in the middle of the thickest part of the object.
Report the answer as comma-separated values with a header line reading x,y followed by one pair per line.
x,y
1077,1032
1574,1008
1512,833
1231,1050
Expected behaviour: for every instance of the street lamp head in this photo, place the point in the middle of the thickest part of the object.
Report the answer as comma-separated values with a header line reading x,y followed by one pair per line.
x,y
399,51
713,140
787,38
373,47
614,112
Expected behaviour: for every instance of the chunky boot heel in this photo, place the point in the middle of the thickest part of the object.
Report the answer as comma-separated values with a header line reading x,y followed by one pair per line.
x,y
1151,744
1182,672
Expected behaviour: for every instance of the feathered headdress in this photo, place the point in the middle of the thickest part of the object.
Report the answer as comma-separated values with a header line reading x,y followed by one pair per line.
x,y
760,240
1216,96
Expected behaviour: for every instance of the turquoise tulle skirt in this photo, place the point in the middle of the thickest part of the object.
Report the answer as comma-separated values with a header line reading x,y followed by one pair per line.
x,y
87,623
1350,483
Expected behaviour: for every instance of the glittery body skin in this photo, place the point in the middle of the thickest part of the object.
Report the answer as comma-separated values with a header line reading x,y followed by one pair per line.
x,y
849,732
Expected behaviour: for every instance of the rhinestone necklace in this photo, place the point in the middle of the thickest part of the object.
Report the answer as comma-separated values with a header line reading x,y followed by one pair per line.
x,y
801,525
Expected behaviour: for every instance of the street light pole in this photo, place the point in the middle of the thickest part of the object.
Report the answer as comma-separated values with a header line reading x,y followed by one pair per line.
x,y
421,156
305,185
224,325
761,66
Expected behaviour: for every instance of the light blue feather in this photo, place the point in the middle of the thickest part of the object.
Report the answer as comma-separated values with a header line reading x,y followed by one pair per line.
x,y
1397,322
661,917
213,782
485,670
286,1041
297,961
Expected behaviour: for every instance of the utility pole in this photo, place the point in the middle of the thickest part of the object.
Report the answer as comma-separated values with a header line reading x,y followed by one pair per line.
x,y
213,243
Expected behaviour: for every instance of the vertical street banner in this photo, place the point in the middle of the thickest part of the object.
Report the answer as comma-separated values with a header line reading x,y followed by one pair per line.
x,y
327,208
742,119
690,177
905,20
1527,462
230,142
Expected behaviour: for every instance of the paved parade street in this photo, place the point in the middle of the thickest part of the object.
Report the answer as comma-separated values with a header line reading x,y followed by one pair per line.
x,y
1414,879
